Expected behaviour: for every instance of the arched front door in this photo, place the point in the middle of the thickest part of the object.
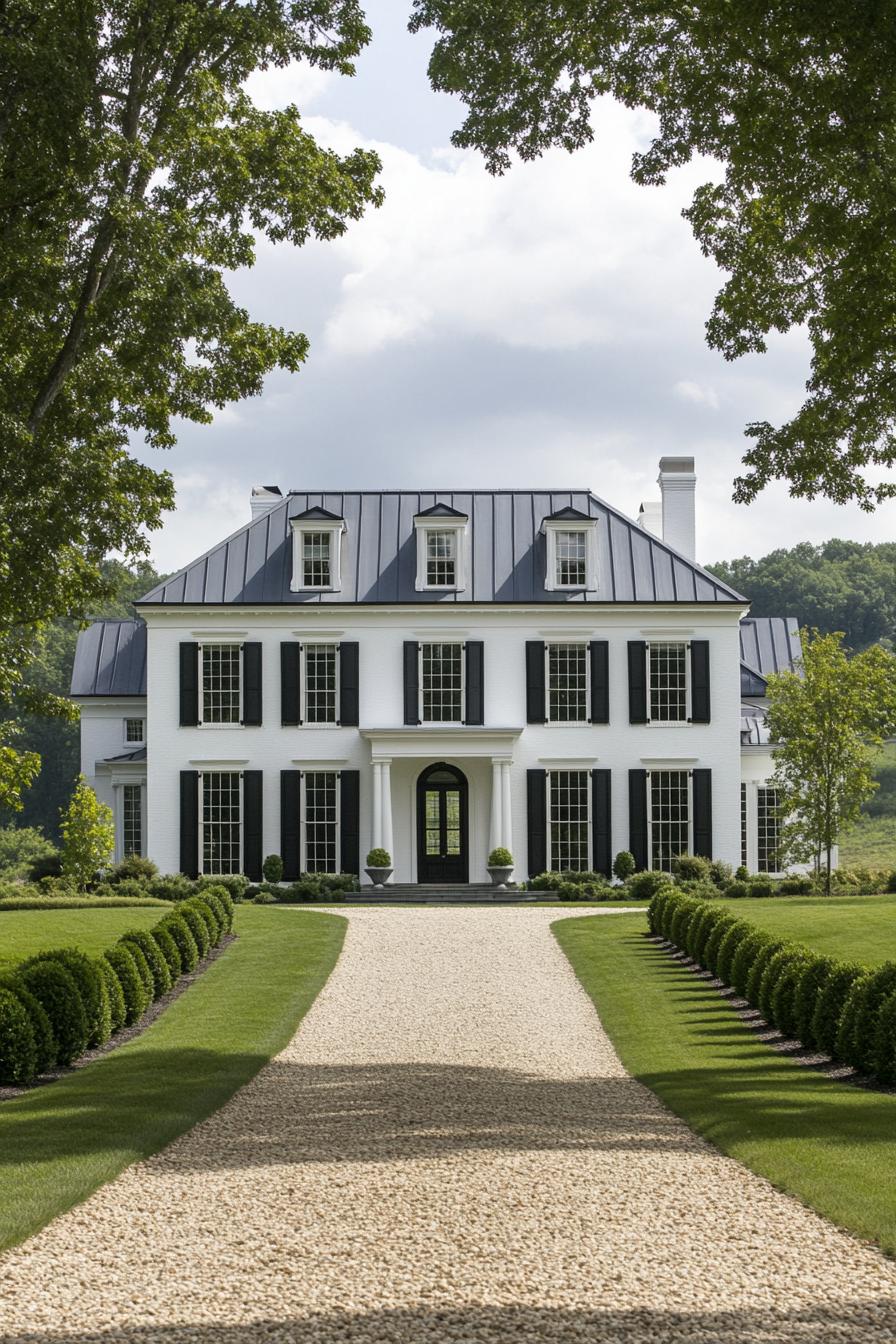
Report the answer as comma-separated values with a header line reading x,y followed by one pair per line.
x,y
442,854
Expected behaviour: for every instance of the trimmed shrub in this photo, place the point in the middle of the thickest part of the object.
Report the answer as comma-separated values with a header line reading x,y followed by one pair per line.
x,y
856,1034
761,886
796,886
744,956
774,968
782,1001
136,997
736,891
741,874
829,1004
691,868
736,934
56,989
671,905
701,934
234,883
678,930
134,868
761,960
18,1051
227,905
168,948
197,926
624,865
180,931
884,1054
700,891
212,897
813,977
44,1040
91,987
115,992
720,873
655,910
714,942
264,896
143,970
272,868
172,887
158,967
213,921
694,928
644,885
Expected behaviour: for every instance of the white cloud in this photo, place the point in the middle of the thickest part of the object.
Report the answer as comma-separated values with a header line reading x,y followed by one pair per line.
x,y
209,507
697,394
298,83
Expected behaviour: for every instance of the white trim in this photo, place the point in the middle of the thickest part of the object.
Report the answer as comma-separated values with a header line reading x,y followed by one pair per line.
x,y
670,723
422,528
218,769
234,642
551,527
663,770
448,723
312,768
335,530
576,768
304,721
585,643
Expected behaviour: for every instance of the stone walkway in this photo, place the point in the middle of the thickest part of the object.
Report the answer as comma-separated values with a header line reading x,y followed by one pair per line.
x,y
449,1150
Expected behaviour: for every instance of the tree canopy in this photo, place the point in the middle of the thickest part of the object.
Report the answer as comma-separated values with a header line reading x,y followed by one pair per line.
x,y
797,102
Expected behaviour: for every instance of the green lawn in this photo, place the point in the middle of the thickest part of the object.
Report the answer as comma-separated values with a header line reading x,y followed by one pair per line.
x,y
871,845
59,1143
856,928
24,932
831,1145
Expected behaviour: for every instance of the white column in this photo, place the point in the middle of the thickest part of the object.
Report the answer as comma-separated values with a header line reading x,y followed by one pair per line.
x,y
386,792
506,812
377,834
496,826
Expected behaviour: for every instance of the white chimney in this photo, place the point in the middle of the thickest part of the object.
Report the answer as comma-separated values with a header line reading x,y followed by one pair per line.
x,y
650,518
262,498
677,483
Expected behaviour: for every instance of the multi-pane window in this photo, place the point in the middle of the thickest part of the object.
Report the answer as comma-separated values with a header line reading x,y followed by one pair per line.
x,y
441,559
767,836
321,829
131,819
668,682
221,683
743,825
441,683
320,684
669,817
316,570
221,821
133,730
567,677
568,820
571,557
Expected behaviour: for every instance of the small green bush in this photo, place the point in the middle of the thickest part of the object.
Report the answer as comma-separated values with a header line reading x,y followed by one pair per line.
x,y
884,1053
135,868
856,1035
678,932
235,883
700,891
20,848
691,868
796,886
198,926
782,998
671,906
774,967
44,1040
46,865
115,992
272,868
761,960
226,902
136,996
180,931
160,976
829,1005
813,977
699,936
720,873
736,891
18,1051
498,858
168,948
624,865
714,942
172,887
737,933
655,911
761,886
56,989
265,897
646,884
741,874
91,987
206,912
744,956
143,970
211,897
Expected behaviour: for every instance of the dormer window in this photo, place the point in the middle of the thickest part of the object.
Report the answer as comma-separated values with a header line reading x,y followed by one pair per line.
x,y
571,539
441,533
317,552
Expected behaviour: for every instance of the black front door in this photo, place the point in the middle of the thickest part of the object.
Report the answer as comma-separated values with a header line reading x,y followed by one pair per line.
x,y
442,825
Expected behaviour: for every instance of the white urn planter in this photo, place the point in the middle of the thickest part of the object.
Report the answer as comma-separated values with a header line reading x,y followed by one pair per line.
x,y
500,876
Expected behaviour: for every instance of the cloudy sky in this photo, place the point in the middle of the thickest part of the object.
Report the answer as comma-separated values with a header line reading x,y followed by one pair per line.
x,y
540,329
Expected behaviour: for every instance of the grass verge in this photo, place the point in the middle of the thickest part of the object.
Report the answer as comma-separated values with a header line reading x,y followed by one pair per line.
x,y
831,1145
853,928
61,1142
25,932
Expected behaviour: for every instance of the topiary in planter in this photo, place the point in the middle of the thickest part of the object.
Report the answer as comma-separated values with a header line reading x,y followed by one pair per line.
x,y
856,1033
736,934
91,987
115,992
783,998
744,956
197,926
812,979
44,1040
56,989
774,969
829,1005
168,948
160,976
761,960
180,931
884,1054
136,997
18,1052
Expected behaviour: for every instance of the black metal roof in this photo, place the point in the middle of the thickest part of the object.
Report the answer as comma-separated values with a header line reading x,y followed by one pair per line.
x,y
507,554
768,644
110,659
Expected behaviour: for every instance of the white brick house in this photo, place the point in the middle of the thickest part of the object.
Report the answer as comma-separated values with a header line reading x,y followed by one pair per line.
x,y
435,673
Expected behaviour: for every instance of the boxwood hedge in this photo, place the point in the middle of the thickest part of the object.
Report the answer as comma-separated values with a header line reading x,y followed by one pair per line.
x,y
736,934
813,977
197,926
91,987
18,1051
168,948
175,925
136,996
56,989
160,976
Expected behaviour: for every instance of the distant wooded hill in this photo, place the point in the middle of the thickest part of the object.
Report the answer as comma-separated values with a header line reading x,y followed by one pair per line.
x,y
840,585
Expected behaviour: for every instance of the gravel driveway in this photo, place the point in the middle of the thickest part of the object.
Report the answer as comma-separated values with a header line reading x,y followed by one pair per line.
x,y
449,1150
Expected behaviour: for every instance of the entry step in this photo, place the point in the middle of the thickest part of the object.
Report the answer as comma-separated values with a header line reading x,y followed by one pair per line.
x,y
409,893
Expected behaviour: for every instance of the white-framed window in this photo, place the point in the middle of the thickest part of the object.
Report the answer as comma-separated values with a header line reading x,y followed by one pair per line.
x,y
320,832
317,555
320,683
441,681
669,815
221,821
131,819
668,684
767,830
571,555
743,825
220,700
441,558
566,678
569,820
440,552
134,731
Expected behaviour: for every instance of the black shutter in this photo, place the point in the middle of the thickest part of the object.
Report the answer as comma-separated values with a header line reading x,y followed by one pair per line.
x,y
350,821
701,792
537,820
189,685
637,681
290,673
411,683
600,681
637,817
535,706
290,822
601,829
475,691
348,685
699,681
252,828
189,822
252,685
